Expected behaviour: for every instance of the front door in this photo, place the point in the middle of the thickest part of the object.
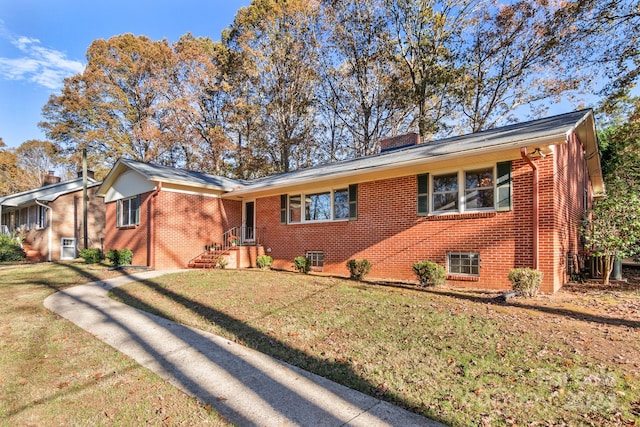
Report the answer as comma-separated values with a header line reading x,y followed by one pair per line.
x,y
249,222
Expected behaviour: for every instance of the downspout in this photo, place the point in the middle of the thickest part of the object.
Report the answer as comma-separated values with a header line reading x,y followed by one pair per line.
x,y
50,225
151,261
535,208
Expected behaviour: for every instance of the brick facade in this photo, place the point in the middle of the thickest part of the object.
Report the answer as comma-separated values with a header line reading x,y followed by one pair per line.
x,y
68,223
390,234
175,225
178,224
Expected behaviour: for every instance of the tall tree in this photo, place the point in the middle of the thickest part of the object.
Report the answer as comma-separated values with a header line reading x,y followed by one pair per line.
x,y
360,79
11,176
114,107
512,58
428,34
605,42
279,37
37,158
196,97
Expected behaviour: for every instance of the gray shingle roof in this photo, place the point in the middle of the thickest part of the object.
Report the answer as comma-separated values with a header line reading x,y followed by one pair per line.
x,y
46,193
513,136
168,174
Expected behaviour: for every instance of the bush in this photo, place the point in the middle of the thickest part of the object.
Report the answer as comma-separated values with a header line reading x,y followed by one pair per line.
x,y
525,281
91,256
429,273
10,249
119,257
221,262
302,264
358,268
264,261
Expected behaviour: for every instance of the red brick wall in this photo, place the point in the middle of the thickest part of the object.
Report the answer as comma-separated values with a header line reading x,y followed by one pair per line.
x,y
183,224
389,233
571,181
392,236
68,223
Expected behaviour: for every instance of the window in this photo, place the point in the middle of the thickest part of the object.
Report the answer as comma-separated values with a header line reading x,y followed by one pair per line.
x,y
464,263
478,189
316,259
335,205
317,207
295,207
445,192
465,190
128,212
42,217
341,204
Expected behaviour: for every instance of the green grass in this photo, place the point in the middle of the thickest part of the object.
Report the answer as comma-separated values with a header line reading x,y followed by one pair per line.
x,y
53,373
452,357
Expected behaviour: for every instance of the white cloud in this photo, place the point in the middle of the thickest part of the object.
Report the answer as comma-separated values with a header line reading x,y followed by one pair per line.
x,y
38,64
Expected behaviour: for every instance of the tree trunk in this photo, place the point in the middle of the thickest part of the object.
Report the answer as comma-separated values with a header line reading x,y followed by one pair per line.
x,y
607,267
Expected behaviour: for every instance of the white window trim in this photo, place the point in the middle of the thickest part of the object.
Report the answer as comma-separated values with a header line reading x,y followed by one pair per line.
x,y
462,190
132,221
303,196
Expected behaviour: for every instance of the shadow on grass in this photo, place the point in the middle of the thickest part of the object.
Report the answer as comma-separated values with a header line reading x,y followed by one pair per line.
x,y
482,298
251,337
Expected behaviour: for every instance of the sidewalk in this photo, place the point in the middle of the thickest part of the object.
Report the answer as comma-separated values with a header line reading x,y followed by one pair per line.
x,y
246,387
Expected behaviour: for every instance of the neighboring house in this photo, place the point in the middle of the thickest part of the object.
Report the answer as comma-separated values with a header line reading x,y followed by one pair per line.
x,y
477,204
50,218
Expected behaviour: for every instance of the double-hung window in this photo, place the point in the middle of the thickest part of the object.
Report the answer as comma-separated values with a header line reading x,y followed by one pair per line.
x,y
331,205
445,192
478,189
128,212
42,217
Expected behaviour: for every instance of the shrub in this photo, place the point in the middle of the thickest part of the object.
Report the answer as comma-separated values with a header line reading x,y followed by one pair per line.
x,y
264,261
525,281
91,256
221,262
119,257
358,268
429,273
302,264
10,249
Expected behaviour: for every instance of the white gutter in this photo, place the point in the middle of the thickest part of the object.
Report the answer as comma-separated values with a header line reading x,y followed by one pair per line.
x,y
50,228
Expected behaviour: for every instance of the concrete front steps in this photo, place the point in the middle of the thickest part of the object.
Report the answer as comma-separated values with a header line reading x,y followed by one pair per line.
x,y
33,255
233,257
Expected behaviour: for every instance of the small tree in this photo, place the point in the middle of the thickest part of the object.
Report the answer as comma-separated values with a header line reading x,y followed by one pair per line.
x,y
613,228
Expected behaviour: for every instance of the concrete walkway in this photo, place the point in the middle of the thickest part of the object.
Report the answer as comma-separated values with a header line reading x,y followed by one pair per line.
x,y
246,387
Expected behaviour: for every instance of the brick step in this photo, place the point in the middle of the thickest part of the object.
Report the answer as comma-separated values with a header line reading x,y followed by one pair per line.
x,y
33,255
208,259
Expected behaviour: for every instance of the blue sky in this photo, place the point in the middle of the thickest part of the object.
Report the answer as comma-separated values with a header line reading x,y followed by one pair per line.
x,y
44,41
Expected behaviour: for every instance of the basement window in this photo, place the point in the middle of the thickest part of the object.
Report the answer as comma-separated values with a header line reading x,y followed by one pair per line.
x,y
316,259
465,263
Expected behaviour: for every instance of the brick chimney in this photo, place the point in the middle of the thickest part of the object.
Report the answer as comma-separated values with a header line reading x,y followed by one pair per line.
x,y
400,141
50,178
90,174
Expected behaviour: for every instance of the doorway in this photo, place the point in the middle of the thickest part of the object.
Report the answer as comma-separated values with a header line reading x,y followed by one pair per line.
x,y
249,222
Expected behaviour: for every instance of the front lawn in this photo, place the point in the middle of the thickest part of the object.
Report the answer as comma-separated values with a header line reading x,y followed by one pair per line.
x,y
463,358
53,373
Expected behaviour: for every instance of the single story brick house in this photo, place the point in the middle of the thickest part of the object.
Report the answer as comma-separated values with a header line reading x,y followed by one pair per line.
x,y
51,218
478,204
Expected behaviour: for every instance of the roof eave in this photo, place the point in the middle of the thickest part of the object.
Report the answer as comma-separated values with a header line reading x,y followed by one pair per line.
x,y
555,139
